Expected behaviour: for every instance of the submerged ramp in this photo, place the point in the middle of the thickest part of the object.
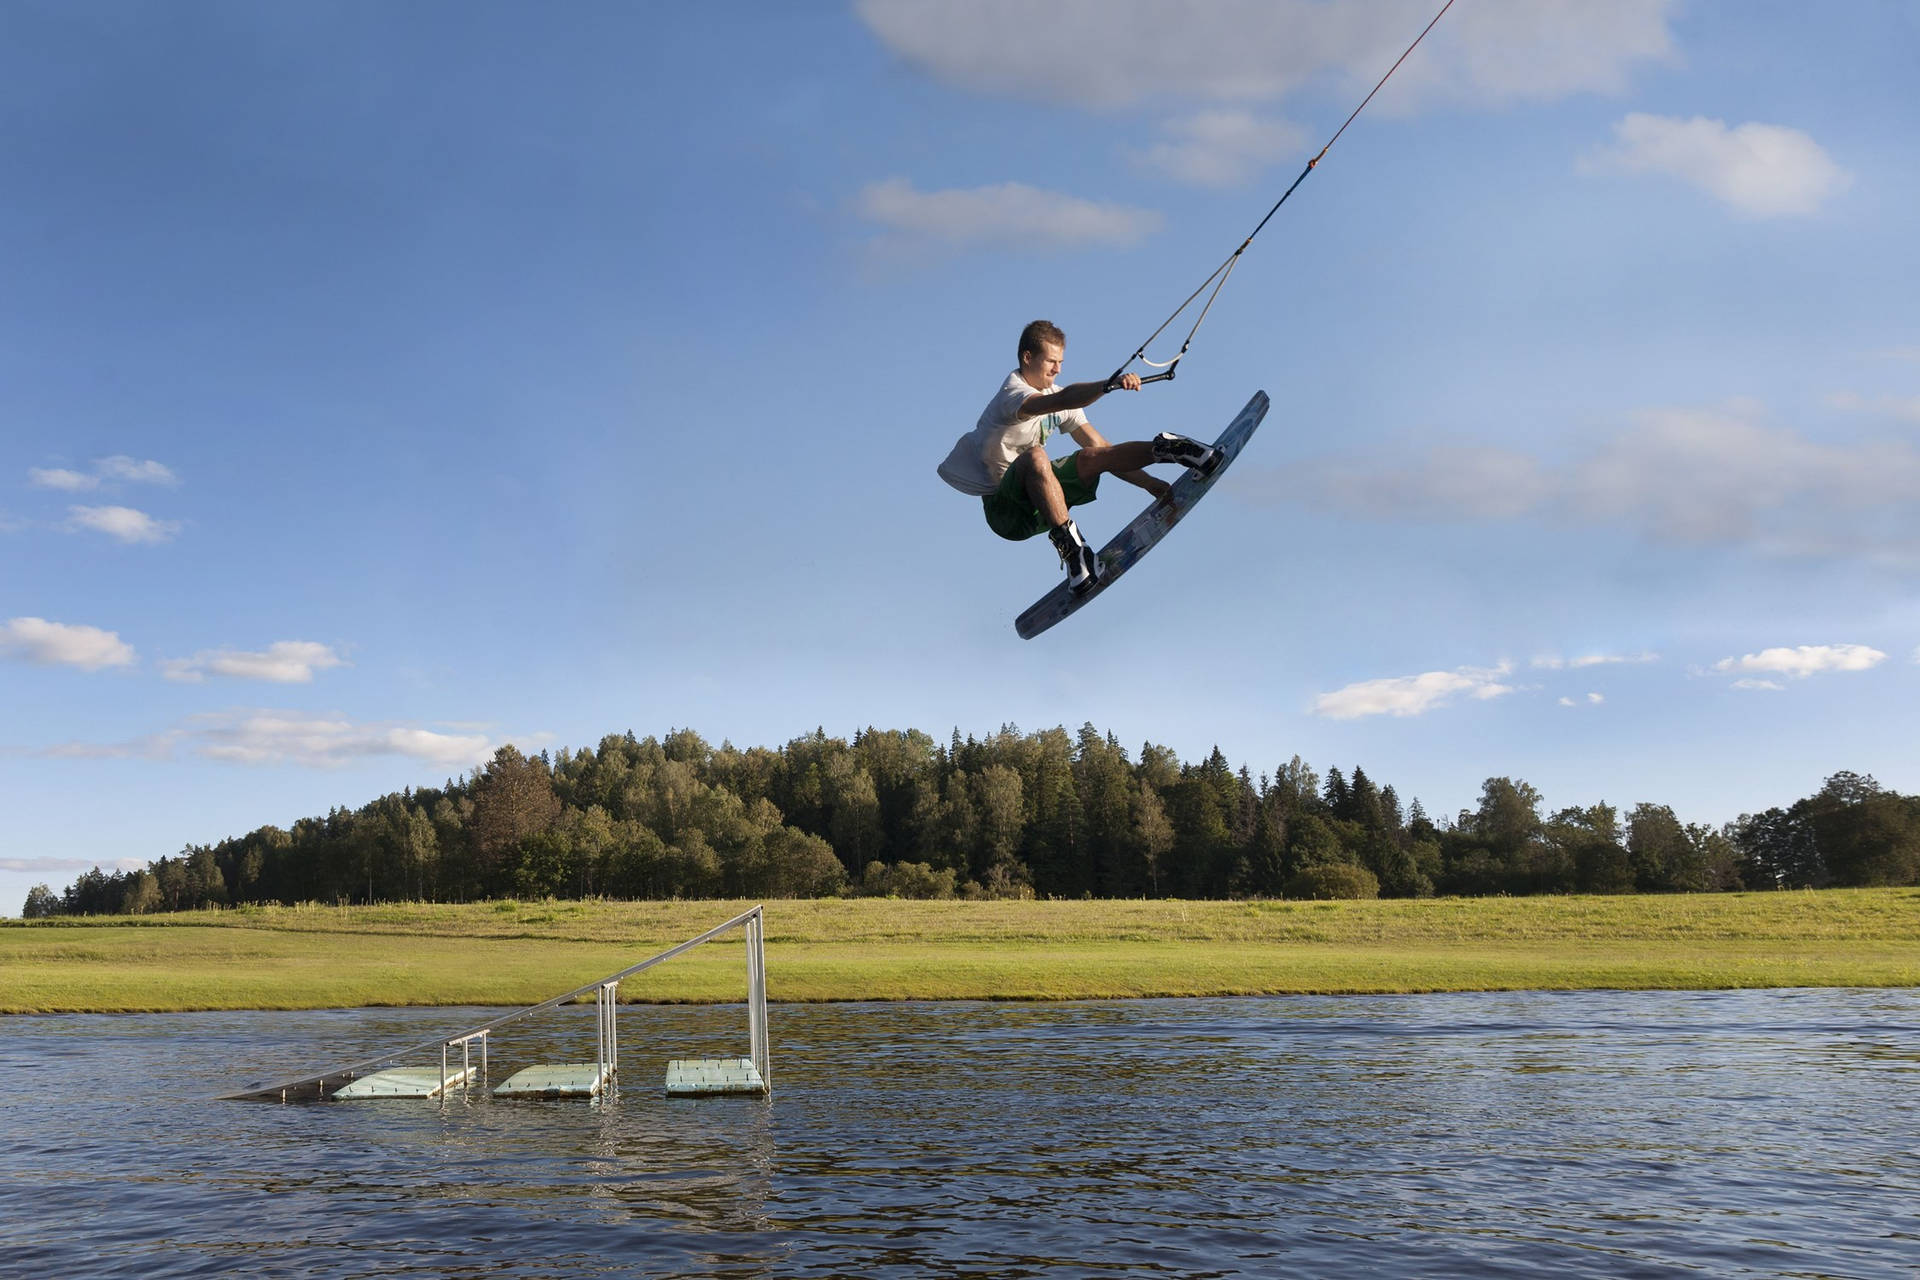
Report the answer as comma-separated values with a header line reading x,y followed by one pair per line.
x,y
593,1080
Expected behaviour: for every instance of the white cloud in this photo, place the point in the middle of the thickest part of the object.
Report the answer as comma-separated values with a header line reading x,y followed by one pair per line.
x,y
1592,700
1760,170
325,741
1773,685
297,737
1220,148
1412,695
284,662
124,523
1593,660
1802,661
119,467
1905,408
1500,51
61,644
1717,476
1010,215
272,737
61,478
136,470
1132,51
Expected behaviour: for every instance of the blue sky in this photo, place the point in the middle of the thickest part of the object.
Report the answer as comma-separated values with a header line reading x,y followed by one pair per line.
x,y
383,383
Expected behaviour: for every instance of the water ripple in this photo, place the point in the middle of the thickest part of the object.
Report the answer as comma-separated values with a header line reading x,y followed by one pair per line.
x,y
1511,1134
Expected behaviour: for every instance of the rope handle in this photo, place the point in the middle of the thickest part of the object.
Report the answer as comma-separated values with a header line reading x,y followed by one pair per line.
x,y
1113,383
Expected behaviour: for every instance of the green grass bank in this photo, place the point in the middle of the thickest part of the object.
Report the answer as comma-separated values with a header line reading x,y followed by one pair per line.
x,y
508,953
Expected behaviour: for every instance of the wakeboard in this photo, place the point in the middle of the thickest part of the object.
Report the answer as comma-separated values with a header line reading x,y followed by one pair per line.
x,y
1146,529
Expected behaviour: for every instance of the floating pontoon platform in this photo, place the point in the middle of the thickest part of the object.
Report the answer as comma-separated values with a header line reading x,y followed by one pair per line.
x,y
407,1082
708,1077
562,1080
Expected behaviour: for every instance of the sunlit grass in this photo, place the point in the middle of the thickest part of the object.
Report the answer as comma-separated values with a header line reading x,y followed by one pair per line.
x,y
509,953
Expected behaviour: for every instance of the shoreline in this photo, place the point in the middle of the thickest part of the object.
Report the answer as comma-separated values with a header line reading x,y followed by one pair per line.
x,y
512,954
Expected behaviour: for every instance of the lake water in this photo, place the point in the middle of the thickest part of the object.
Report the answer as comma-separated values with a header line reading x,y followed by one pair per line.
x,y
1529,1134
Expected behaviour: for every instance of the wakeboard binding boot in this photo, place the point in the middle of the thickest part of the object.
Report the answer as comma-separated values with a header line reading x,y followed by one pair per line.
x,y
1081,561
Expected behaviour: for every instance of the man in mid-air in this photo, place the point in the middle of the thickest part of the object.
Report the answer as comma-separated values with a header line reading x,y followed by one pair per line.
x,y
1004,462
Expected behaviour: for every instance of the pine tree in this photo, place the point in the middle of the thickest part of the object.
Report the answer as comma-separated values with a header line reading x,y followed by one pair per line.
x,y
1338,799
1363,802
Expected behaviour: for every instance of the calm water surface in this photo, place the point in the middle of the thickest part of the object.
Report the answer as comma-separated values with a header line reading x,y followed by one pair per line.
x,y
1604,1134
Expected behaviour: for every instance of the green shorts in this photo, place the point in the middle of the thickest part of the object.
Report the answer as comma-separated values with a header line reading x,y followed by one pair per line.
x,y
1011,513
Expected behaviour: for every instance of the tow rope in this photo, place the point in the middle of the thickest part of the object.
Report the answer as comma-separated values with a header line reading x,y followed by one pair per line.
x,y
1221,273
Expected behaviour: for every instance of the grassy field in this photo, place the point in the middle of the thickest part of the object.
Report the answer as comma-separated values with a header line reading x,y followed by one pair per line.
x,y
507,953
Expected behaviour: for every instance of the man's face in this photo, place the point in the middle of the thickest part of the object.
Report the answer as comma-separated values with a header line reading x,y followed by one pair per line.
x,y
1041,367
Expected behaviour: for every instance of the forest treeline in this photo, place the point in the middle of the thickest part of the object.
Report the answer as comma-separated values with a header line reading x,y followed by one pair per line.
x,y
1010,815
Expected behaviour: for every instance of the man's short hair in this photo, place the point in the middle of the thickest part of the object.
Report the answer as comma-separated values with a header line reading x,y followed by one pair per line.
x,y
1038,334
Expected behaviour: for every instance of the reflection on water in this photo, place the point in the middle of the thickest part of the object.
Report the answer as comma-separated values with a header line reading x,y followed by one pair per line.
x,y
1601,1133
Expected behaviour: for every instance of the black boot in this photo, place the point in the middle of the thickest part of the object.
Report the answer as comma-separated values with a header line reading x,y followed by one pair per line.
x,y
1083,566
1204,459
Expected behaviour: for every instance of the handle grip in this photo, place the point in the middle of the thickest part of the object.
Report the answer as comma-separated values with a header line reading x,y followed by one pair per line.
x,y
1113,383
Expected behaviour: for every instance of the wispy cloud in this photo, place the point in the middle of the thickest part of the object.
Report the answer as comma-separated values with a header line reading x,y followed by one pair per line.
x,y
136,470
1130,51
1591,700
1770,685
54,866
275,737
1593,660
119,468
62,479
63,644
317,741
1800,661
283,662
124,523
1758,170
1413,695
1219,148
1011,215
1714,476
1904,408
153,746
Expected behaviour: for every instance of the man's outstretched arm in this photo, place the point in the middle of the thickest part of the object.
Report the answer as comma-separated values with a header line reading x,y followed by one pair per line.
x,y
1077,395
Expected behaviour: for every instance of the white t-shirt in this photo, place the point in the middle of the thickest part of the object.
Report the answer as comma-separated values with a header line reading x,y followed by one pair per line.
x,y
981,457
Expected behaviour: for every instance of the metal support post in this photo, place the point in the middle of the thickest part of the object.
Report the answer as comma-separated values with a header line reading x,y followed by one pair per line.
x,y
757,997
